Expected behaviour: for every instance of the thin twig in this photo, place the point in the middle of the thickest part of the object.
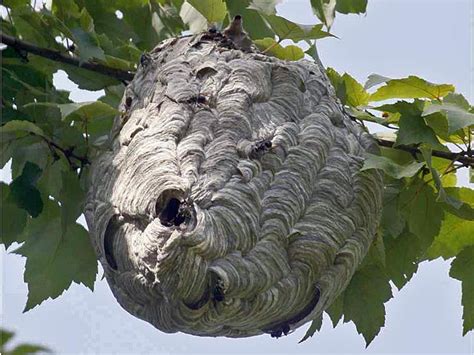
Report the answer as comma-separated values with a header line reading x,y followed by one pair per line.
x,y
68,153
460,157
57,56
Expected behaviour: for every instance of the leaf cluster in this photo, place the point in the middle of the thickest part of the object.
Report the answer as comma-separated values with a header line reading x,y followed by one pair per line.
x,y
425,215
51,140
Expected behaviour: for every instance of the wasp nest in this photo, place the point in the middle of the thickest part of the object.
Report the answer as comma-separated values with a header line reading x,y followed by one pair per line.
x,y
230,202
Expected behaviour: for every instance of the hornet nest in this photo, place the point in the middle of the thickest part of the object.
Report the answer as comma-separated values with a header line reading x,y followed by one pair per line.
x,y
231,201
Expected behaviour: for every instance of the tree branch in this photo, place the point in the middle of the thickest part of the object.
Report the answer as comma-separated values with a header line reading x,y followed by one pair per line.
x,y
57,56
460,157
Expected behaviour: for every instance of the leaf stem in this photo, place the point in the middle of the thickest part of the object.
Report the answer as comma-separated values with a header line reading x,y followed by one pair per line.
x,y
273,45
460,157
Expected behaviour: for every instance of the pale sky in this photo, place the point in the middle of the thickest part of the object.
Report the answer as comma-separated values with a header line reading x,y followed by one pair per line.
x,y
429,38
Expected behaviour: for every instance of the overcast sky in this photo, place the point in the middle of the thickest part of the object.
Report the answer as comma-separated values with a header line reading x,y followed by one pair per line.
x,y
429,38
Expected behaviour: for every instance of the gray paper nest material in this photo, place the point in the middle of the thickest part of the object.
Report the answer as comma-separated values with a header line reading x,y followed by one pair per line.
x,y
230,202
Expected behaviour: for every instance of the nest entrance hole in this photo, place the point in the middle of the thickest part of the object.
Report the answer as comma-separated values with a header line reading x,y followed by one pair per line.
x,y
172,209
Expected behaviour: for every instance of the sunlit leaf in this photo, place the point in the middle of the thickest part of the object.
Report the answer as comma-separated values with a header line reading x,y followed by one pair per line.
x,y
355,93
454,235
457,230
270,46
411,88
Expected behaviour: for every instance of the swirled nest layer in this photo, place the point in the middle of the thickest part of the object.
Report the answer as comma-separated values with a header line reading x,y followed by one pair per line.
x,y
230,202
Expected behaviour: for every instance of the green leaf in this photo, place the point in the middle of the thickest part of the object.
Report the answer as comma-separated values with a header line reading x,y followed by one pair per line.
x,y
212,10
402,257
457,114
32,149
462,269
87,44
21,127
23,191
270,46
286,29
13,219
50,182
413,128
411,88
351,6
335,310
88,80
71,197
392,222
355,93
325,10
5,336
86,111
15,3
364,301
113,95
442,195
376,254
457,230
55,259
423,213
314,327
390,167
466,196
45,115
26,349
338,84
440,164
454,235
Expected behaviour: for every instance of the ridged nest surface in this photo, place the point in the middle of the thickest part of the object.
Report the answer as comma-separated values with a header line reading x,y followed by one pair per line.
x,y
230,202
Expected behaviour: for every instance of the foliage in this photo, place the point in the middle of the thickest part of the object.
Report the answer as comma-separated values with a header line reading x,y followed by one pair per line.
x,y
21,349
50,141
